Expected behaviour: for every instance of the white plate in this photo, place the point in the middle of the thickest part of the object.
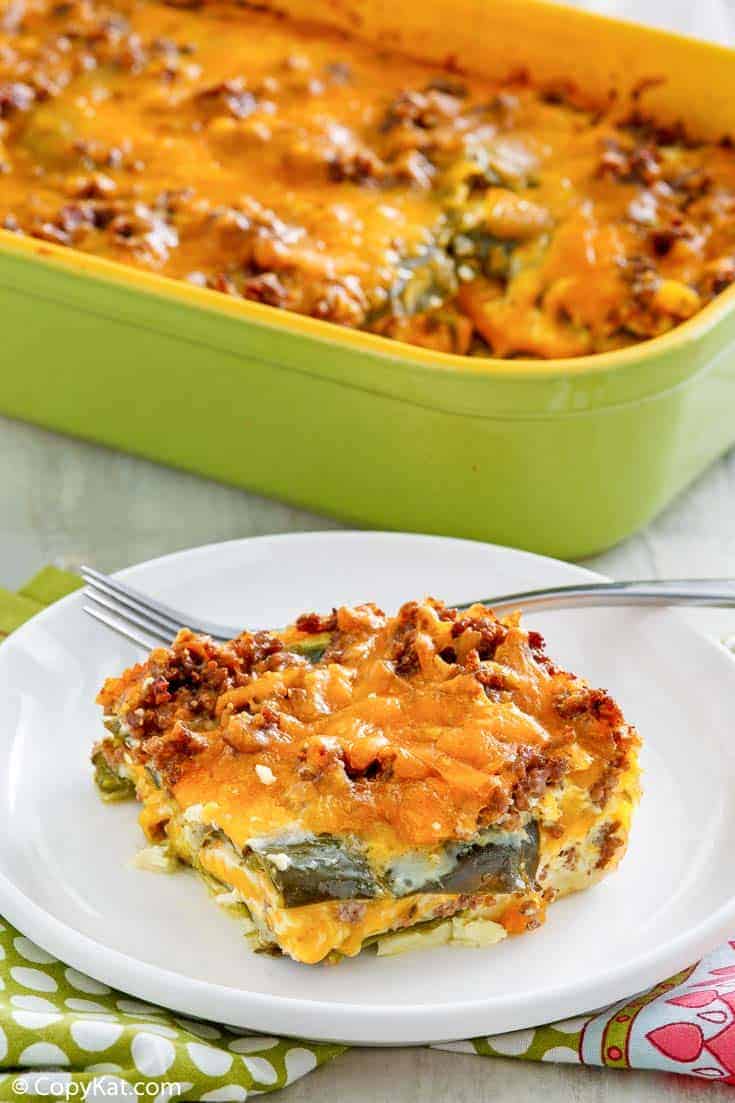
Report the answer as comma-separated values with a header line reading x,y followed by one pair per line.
x,y
65,858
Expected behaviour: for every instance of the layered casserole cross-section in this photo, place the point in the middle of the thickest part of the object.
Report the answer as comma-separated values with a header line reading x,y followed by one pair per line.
x,y
358,778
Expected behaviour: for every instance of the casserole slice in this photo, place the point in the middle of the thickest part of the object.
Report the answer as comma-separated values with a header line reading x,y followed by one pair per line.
x,y
420,779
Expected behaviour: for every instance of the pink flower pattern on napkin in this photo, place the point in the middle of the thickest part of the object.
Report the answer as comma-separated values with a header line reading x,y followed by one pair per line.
x,y
684,1025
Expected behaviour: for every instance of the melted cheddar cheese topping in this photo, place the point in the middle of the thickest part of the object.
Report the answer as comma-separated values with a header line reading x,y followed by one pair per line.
x,y
408,732
292,166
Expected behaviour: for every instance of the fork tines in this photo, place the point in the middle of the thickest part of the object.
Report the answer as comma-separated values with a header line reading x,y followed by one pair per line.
x,y
125,611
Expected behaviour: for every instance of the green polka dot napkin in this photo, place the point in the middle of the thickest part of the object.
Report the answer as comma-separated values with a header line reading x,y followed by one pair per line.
x,y
64,1035
55,1018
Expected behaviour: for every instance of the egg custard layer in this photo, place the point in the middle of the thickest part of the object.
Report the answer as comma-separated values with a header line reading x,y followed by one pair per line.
x,y
420,779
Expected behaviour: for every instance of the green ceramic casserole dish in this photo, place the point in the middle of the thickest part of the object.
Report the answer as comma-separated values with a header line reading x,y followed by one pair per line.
x,y
564,457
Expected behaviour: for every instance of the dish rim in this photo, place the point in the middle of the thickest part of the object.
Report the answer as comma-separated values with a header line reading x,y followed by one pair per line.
x,y
313,330
374,1024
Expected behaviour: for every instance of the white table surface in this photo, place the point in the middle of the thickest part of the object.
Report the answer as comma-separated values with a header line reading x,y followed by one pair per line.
x,y
65,501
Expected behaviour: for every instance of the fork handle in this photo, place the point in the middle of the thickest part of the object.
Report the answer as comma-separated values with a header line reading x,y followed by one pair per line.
x,y
712,592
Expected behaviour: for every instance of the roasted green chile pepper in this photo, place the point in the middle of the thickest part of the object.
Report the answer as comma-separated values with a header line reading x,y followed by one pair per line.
x,y
315,869
312,648
499,862
111,786
321,867
494,867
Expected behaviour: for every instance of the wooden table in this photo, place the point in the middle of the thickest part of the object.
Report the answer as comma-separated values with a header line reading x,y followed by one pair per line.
x,y
66,501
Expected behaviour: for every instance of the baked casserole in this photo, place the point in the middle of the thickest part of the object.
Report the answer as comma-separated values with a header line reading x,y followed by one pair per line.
x,y
294,166
413,780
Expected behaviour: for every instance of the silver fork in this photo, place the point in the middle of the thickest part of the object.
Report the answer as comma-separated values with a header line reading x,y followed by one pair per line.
x,y
150,623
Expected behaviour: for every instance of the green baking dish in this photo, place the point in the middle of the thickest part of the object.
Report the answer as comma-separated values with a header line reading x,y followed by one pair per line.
x,y
564,457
